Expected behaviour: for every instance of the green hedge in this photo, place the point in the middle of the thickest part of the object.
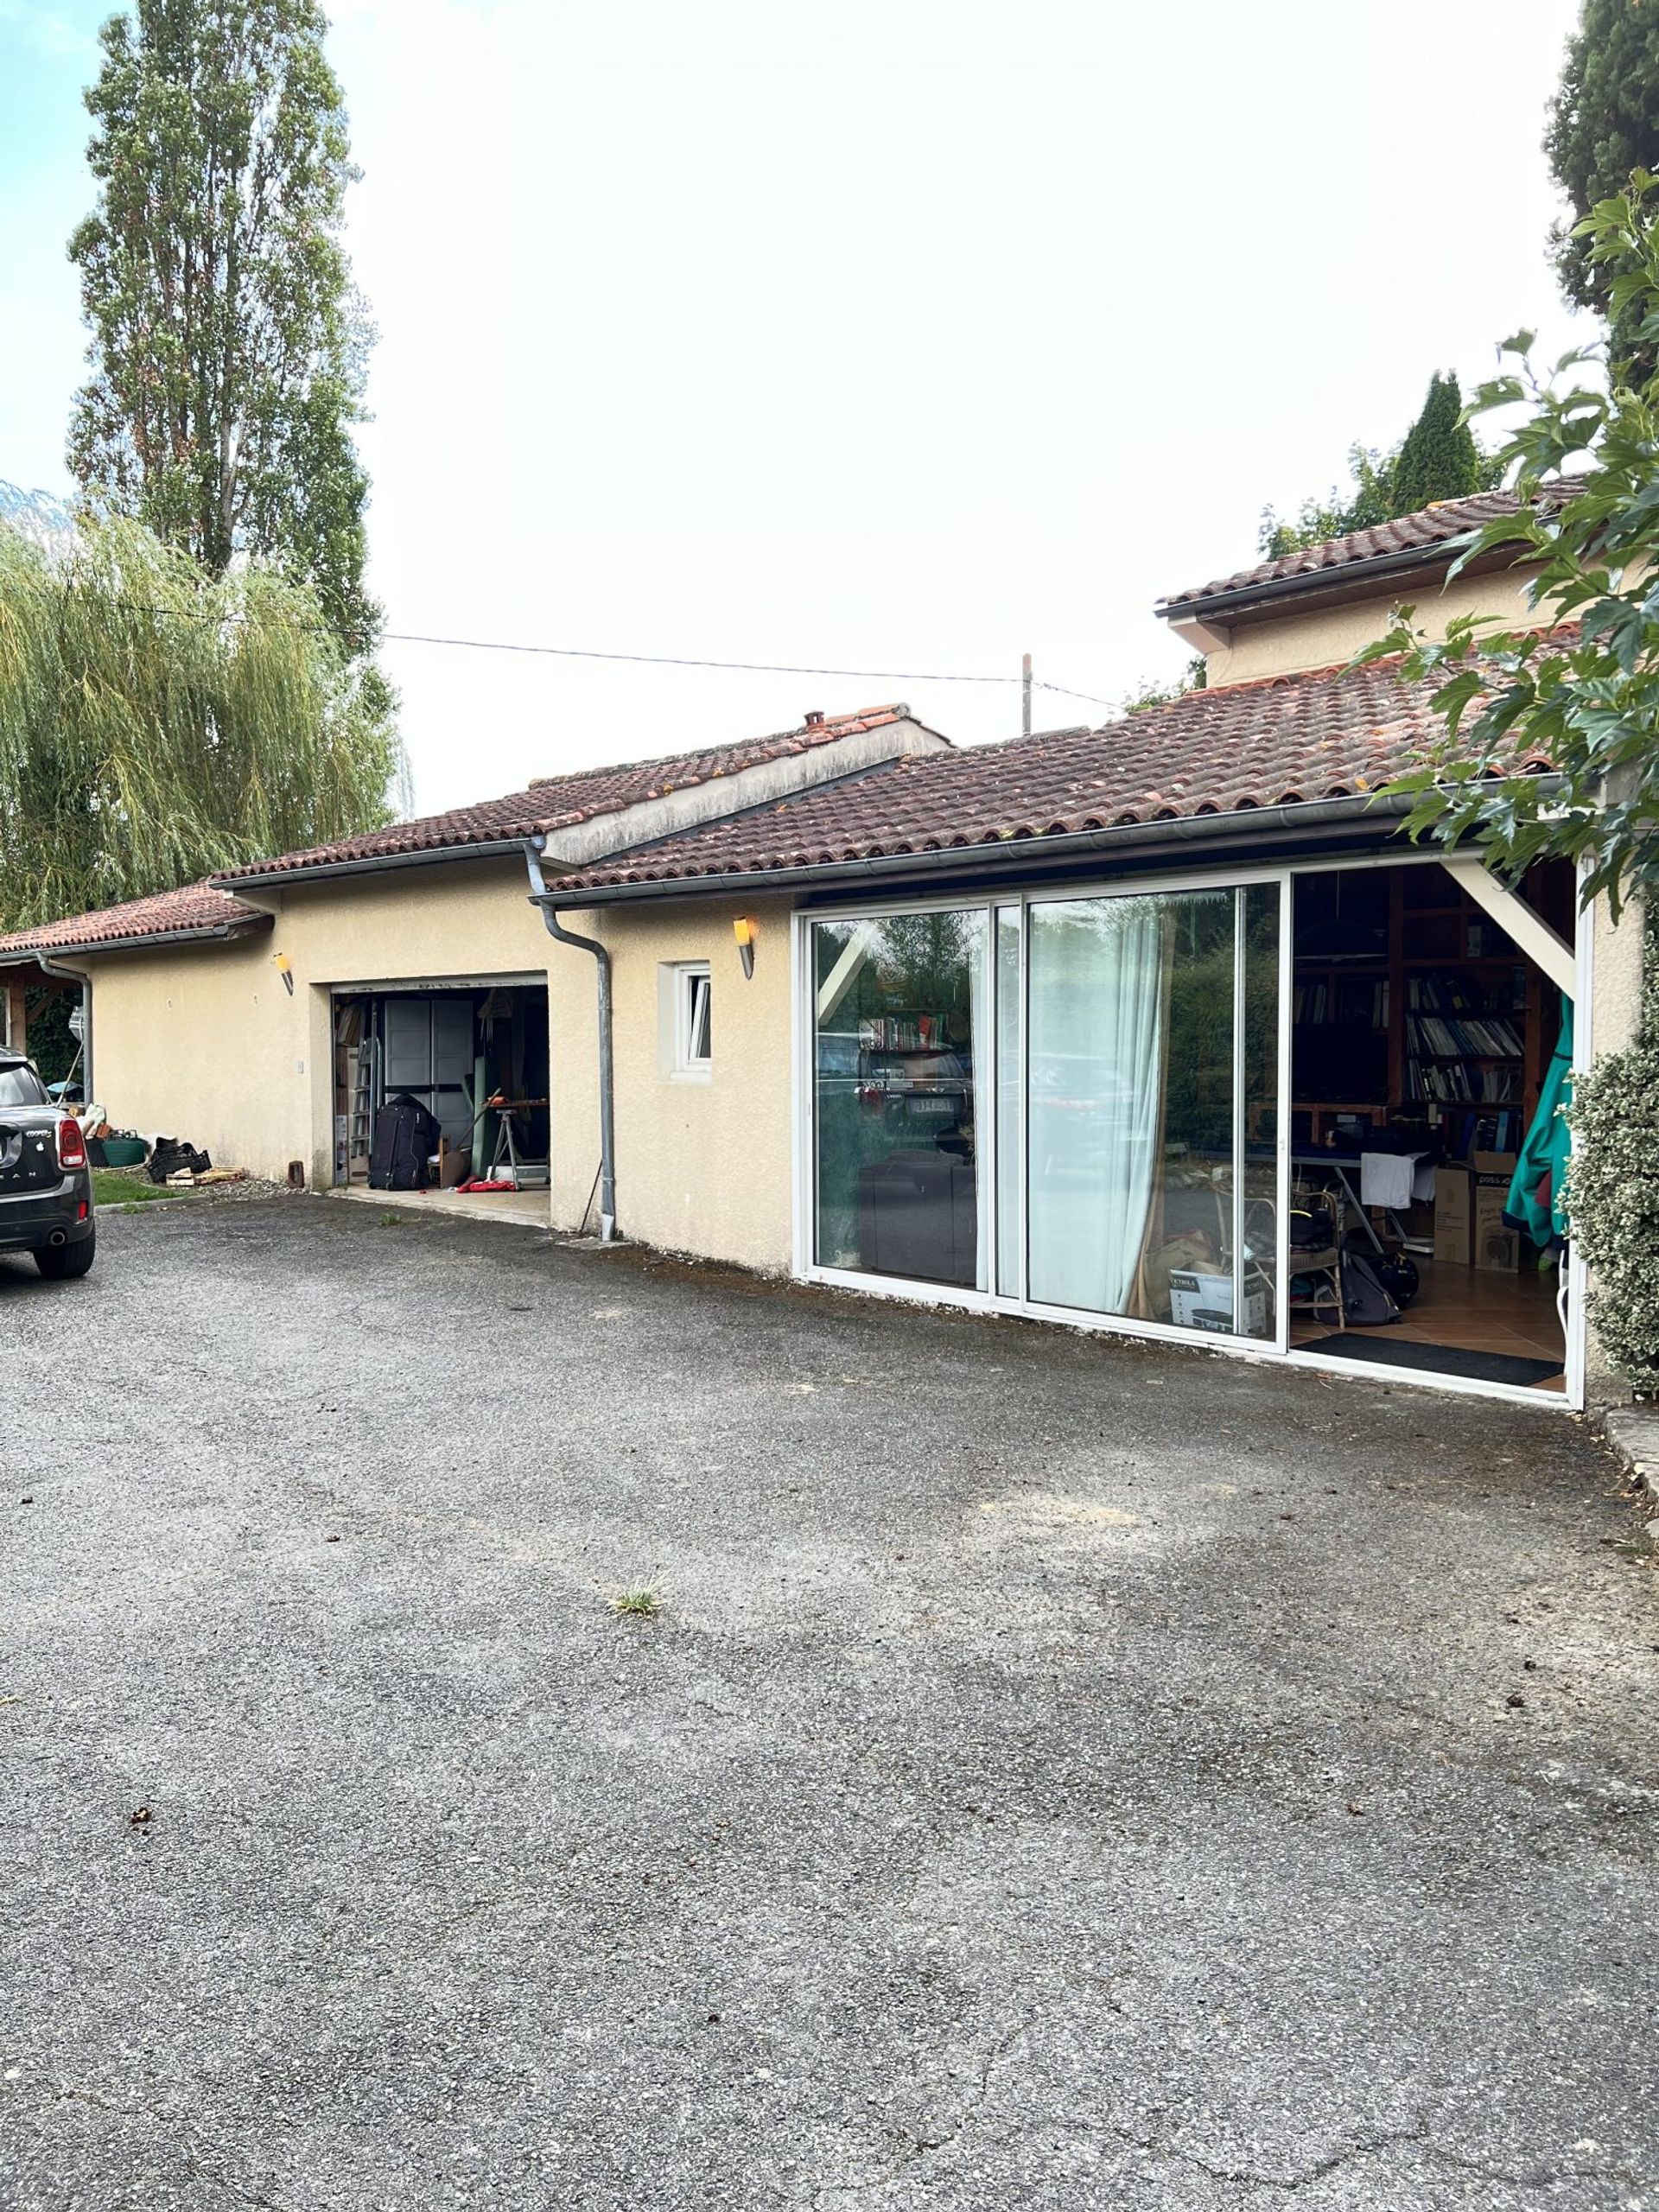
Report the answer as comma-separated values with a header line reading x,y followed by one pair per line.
x,y
1612,1189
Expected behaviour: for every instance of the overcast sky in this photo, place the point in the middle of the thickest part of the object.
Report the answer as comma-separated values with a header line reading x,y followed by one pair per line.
x,y
906,336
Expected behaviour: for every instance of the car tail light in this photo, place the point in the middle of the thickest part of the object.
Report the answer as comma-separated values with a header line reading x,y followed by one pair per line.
x,y
71,1146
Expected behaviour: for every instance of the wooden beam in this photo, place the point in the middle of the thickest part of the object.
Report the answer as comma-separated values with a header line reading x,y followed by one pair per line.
x,y
1513,915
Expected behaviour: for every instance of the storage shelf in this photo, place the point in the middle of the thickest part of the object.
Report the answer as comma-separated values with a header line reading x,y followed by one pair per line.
x,y
1414,962
1429,958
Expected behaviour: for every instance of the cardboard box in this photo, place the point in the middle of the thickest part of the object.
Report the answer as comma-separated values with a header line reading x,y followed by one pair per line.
x,y
1453,1215
1494,1246
1202,1300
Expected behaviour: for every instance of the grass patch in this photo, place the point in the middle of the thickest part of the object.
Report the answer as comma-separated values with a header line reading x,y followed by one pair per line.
x,y
641,1603
129,1186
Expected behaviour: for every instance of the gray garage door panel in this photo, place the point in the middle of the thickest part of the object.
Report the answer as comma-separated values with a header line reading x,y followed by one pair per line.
x,y
428,1051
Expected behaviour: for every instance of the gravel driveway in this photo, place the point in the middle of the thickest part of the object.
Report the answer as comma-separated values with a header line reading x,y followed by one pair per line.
x,y
1062,1773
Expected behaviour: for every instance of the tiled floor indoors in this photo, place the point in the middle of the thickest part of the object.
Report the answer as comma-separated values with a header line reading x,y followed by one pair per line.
x,y
1473,1309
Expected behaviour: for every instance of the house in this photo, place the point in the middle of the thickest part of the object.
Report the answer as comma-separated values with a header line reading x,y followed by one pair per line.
x,y
1085,1026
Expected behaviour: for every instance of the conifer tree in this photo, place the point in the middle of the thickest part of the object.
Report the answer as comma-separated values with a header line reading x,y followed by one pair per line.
x,y
1439,459
1604,125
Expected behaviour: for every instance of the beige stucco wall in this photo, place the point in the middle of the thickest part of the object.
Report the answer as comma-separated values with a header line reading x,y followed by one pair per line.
x,y
205,1042
701,1167
1293,642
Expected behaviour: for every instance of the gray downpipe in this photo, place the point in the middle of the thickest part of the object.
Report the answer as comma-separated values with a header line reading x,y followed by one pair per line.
x,y
75,975
542,896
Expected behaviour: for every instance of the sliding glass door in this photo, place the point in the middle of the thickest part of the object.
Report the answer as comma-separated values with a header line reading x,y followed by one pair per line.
x,y
1151,1090
1062,1102
898,1036
1129,1083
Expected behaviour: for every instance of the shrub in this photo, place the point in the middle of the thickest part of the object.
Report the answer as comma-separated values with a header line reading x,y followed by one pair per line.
x,y
1612,1189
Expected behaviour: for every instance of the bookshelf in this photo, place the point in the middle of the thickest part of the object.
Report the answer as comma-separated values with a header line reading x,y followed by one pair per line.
x,y
1409,1000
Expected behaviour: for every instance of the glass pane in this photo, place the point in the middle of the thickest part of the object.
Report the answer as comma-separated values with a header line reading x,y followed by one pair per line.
x,y
702,994
1010,1098
898,1015
1259,1226
1130,1105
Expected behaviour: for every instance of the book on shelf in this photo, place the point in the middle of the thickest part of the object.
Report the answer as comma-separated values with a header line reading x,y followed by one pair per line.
x,y
1485,1132
1470,1037
1357,1002
1448,1082
1456,995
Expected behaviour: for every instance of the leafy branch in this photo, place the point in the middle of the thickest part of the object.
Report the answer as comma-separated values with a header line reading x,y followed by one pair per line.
x,y
1576,693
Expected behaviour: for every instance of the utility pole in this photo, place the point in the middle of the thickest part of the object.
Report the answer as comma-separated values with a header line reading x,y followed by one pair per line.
x,y
1025,687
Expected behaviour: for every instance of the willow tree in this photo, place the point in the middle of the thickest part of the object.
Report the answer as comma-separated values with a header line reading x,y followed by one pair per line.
x,y
227,345
157,722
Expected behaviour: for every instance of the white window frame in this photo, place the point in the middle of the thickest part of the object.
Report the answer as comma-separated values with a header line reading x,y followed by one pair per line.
x,y
686,1065
807,1269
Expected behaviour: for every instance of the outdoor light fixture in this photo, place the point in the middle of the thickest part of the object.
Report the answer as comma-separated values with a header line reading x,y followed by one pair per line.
x,y
743,930
280,960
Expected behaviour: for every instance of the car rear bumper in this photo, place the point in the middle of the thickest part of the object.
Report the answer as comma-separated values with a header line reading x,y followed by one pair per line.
x,y
37,1219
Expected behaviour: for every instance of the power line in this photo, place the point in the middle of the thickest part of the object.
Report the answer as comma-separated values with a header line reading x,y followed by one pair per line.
x,y
1112,706
637,660
680,660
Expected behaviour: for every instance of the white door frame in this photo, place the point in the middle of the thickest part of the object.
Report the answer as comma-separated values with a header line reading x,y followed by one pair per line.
x,y
990,1300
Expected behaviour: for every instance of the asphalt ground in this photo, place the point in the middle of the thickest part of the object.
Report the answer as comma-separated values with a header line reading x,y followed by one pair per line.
x,y
1061,1773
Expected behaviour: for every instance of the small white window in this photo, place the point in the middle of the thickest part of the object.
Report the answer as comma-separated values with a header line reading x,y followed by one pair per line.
x,y
692,990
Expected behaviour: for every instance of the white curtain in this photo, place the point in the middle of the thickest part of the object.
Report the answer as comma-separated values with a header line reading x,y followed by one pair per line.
x,y
1098,983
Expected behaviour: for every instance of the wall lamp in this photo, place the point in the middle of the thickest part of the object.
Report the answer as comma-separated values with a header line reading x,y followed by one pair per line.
x,y
743,930
284,968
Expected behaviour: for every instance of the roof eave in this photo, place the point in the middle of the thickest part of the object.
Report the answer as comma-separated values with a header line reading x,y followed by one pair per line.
x,y
249,886
216,933
1006,856
1350,580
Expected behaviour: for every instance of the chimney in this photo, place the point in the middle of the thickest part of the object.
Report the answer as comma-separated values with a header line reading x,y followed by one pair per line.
x,y
815,718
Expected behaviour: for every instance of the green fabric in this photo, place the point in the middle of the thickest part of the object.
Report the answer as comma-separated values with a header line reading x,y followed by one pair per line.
x,y
1544,1152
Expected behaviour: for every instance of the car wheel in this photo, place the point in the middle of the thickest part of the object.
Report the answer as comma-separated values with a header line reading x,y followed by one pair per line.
x,y
64,1262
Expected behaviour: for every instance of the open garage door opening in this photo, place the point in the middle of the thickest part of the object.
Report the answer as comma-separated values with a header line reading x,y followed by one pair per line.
x,y
443,1088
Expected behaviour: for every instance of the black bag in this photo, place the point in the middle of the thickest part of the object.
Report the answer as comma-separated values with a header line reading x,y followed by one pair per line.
x,y
171,1155
1365,1301
1397,1272
405,1137
1394,1267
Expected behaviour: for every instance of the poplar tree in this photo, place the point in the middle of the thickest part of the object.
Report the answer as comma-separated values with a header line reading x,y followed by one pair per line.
x,y
227,346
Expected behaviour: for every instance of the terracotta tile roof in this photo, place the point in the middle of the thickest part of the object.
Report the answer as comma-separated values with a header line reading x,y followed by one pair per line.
x,y
553,802
1331,734
1421,532
189,912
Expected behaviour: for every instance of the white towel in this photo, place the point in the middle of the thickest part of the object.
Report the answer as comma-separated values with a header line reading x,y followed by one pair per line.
x,y
1385,1178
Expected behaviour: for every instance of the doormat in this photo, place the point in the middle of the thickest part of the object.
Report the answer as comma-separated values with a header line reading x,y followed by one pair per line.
x,y
1435,1359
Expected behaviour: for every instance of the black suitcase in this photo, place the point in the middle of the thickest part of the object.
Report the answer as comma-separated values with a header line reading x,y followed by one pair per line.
x,y
405,1137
